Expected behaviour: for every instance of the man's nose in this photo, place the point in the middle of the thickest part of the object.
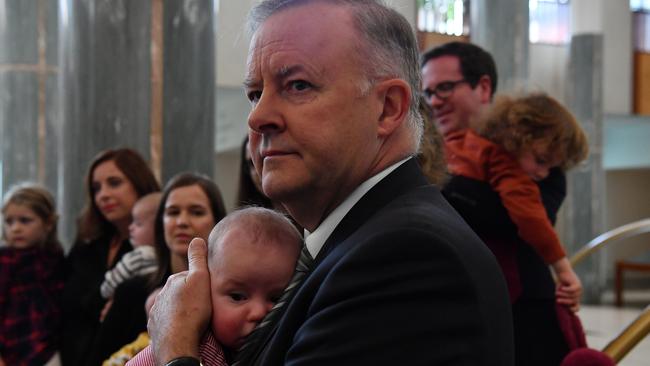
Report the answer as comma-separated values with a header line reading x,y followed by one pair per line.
x,y
266,115
435,102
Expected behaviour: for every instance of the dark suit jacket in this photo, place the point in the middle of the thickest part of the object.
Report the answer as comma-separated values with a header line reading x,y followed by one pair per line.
x,y
401,281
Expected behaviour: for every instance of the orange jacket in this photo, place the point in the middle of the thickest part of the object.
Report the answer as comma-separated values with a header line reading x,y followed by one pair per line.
x,y
475,157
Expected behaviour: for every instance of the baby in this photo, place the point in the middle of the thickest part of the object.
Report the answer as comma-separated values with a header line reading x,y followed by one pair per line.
x,y
251,257
142,259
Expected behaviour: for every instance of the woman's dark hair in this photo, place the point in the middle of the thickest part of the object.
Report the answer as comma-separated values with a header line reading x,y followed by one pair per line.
x,y
247,193
216,205
92,224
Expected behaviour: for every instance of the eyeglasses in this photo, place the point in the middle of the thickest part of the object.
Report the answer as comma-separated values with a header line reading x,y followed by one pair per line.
x,y
443,90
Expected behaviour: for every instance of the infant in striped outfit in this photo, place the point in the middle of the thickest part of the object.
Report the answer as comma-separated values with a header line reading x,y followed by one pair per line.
x,y
141,260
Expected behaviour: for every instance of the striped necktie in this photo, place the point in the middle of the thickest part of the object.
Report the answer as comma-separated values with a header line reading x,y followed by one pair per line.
x,y
247,353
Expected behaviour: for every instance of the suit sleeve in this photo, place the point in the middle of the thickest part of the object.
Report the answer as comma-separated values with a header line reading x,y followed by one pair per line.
x,y
397,299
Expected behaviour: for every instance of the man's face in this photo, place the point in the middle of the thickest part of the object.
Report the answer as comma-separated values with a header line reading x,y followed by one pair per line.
x,y
313,134
464,104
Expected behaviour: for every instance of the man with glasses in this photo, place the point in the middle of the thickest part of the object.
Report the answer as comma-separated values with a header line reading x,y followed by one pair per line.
x,y
458,81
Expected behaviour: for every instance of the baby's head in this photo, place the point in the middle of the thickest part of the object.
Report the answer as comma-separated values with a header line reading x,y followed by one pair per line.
x,y
29,218
141,230
252,254
538,131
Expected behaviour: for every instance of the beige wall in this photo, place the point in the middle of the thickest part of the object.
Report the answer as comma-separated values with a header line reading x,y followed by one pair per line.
x,y
628,199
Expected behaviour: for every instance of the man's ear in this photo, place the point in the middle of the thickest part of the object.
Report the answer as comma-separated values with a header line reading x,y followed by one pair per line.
x,y
395,99
484,88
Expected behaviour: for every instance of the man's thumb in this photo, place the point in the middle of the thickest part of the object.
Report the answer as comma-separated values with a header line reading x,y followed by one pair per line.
x,y
197,255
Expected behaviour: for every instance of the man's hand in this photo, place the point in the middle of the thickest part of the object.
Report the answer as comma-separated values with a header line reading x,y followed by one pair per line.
x,y
182,309
569,287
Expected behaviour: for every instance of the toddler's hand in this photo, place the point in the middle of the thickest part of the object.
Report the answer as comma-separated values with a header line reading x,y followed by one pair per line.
x,y
569,287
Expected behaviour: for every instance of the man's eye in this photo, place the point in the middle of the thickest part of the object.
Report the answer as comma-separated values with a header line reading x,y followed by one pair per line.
x,y
446,86
254,96
299,85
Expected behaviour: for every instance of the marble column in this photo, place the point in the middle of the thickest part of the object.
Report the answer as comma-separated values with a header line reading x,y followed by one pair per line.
x,y
28,99
104,87
584,206
189,87
136,74
501,28
613,20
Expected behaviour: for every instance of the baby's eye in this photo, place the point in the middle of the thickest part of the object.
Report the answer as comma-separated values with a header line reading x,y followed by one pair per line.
x,y
237,297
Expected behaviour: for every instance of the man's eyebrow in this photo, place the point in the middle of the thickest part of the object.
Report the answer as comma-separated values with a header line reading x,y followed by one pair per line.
x,y
250,83
282,73
286,71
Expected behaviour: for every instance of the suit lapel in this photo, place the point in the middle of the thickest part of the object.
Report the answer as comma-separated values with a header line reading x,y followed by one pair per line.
x,y
406,177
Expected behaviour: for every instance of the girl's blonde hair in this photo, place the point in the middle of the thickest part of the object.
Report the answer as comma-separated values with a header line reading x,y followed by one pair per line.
x,y
518,123
39,200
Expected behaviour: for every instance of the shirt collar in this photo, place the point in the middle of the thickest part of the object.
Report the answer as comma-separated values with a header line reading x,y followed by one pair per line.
x,y
316,239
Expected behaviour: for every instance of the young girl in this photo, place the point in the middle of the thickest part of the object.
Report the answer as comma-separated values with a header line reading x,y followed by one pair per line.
x,y
31,278
494,171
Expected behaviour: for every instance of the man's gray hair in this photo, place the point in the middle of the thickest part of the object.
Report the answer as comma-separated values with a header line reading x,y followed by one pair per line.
x,y
389,50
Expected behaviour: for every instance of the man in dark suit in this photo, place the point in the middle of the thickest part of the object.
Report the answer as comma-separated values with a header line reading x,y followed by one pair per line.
x,y
398,277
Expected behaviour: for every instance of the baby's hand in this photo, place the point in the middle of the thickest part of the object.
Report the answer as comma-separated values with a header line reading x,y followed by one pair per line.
x,y
104,311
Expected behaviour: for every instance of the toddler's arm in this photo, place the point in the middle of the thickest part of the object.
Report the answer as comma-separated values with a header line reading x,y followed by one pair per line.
x,y
569,287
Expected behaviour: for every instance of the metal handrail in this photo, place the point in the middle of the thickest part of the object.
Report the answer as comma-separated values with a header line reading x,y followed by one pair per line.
x,y
621,232
629,337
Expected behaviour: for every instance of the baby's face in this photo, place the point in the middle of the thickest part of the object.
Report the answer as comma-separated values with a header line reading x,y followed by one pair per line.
x,y
246,282
141,229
